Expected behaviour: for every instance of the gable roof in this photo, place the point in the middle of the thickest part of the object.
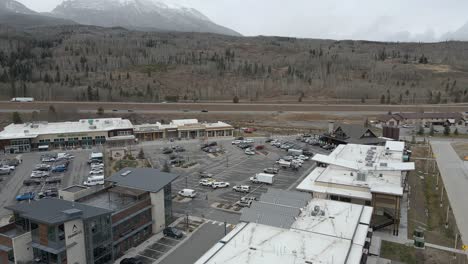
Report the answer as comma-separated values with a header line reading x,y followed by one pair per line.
x,y
354,131
146,179
56,211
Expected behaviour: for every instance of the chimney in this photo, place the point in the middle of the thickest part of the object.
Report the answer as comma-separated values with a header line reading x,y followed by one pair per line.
x,y
331,127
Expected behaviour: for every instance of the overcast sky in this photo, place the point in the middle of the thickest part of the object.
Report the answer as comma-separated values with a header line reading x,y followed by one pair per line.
x,y
397,20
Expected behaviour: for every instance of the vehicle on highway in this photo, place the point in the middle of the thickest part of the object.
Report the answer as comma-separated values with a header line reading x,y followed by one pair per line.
x,y
25,196
206,182
22,99
241,188
131,261
39,174
204,111
271,170
173,232
189,193
204,174
216,185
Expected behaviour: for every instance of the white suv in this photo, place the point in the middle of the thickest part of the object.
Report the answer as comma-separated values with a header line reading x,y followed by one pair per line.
x,y
216,185
241,188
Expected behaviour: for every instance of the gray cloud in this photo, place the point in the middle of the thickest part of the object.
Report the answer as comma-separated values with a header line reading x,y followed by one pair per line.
x,y
385,20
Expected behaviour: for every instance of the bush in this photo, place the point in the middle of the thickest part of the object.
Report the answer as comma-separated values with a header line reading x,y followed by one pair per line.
x,y
100,111
235,99
141,154
447,130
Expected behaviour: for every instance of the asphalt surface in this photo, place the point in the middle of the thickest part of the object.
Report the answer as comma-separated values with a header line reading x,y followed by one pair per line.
x,y
454,173
195,246
12,185
241,107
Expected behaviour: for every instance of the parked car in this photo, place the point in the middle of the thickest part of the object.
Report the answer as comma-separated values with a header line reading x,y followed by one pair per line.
x,y
268,140
179,149
204,174
259,147
271,170
188,193
216,185
246,203
236,142
26,196
42,167
167,151
249,152
53,180
302,157
31,182
48,193
59,168
173,232
131,261
212,144
5,171
48,159
96,172
39,174
241,188
6,166
206,182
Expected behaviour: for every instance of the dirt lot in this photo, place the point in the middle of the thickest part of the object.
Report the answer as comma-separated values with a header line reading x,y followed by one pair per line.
x,y
461,148
425,210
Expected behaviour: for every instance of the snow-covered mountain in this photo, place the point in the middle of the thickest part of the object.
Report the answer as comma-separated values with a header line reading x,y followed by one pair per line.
x,y
138,14
17,15
15,7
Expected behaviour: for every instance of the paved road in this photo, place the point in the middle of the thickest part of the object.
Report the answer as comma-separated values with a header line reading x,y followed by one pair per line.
x,y
257,106
194,247
455,176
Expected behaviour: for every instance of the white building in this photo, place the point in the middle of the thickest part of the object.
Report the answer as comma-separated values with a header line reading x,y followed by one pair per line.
x,y
42,135
184,128
287,227
362,174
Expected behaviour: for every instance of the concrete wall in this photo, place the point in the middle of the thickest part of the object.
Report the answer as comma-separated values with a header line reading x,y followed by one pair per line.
x,y
22,249
74,196
157,211
75,242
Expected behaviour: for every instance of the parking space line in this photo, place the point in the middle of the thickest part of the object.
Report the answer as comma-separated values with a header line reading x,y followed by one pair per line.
x,y
146,257
148,248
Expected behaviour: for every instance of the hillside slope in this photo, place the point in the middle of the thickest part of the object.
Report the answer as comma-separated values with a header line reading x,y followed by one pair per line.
x,y
88,63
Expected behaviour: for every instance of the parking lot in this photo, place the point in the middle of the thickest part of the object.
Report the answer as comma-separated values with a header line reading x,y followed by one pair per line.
x,y
233,166
13,184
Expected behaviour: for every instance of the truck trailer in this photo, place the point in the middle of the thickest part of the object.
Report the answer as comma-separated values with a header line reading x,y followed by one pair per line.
x,y
263,178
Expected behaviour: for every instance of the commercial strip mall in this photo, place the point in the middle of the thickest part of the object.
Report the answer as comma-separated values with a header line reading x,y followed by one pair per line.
x,y
19,138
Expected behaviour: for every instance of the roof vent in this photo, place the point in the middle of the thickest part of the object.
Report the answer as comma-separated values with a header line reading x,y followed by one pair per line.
x,y
73,212
92,127
317,211
124,174
26,131
252,248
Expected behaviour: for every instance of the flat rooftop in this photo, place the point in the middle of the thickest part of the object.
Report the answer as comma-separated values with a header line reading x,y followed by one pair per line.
x,y
110,200
75,189
56,211
367,169
145,179
32,130
322,231
181,124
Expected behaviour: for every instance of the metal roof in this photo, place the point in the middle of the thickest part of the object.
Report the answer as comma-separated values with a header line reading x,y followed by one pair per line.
x,y
55,211
146,179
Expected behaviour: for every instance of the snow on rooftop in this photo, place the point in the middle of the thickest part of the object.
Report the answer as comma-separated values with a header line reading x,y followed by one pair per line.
x,y
330,218
175,124
395,146
183,122
258,243
325,232
368,169
31,130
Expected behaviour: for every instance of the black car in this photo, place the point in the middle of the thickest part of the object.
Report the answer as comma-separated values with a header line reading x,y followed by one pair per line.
x,y
268,140
131,261
212,144
204,111
173,232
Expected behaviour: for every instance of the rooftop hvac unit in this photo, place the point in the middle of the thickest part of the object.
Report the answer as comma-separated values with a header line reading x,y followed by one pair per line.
x,y
34,126
373,148
369,164
92,127
383,164
361,176
317,211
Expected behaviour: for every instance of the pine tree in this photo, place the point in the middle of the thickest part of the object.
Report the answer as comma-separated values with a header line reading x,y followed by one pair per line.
x,y
166,167
431,131
16,118
382,99
141,154
447,130
456,132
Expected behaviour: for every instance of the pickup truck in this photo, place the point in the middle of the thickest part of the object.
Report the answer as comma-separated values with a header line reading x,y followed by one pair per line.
x,y
25,196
